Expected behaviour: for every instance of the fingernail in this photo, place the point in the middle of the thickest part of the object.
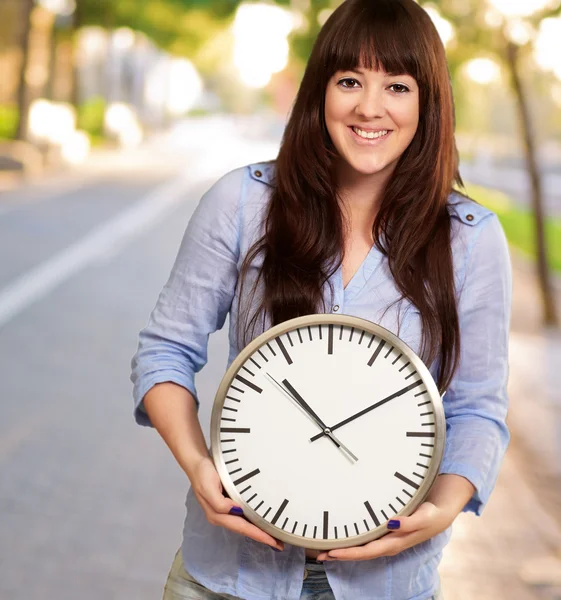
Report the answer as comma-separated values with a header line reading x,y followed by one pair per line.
x,y
237,511
393,524
276,549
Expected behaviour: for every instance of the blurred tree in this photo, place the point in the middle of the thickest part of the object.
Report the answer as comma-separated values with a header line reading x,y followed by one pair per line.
x,y
478,33
22,94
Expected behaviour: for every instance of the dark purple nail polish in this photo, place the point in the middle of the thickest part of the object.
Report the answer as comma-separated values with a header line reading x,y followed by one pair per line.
x,y
393,524
276,549
237,511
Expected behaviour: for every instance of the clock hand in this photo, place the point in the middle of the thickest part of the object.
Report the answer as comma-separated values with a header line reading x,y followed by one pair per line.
x,y
369,408
295,397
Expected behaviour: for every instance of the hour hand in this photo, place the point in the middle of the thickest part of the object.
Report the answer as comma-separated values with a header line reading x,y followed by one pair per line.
x,y
289,391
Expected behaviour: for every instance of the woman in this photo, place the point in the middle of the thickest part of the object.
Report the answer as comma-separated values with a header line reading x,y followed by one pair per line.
x,y
358,216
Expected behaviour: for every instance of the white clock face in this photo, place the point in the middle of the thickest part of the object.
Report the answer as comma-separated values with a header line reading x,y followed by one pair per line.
x,y
327,430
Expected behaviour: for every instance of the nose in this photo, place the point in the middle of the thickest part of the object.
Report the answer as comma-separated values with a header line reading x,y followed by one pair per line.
x,y
371,103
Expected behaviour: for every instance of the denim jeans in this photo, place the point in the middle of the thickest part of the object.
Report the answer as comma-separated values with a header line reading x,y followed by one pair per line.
x,y
181,586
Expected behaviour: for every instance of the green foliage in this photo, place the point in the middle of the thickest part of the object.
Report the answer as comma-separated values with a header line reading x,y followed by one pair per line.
x,y
8,121
178,26
90,116
518,224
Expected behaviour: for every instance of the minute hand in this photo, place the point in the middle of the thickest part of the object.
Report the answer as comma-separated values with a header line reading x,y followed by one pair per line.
x,y
368,409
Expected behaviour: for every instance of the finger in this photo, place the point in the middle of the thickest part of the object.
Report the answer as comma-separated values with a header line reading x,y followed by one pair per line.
x,y
423,517
389,545
239,525
212,492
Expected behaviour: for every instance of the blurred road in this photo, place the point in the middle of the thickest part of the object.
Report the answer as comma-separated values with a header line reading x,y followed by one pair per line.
x,y
91,505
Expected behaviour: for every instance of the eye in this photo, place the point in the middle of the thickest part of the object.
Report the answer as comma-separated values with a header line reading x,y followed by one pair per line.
x,y
348,83
404,88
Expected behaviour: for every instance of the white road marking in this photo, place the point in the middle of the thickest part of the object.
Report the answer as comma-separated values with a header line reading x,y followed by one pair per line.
x,y
110,238
129,224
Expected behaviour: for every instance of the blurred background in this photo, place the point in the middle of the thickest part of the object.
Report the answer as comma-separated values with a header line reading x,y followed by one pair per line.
x,y
115,117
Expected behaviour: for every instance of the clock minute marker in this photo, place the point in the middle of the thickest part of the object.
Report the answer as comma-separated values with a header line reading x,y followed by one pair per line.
x,y
246,477
249,384
406,480
250,372
284,351
372,513
385,515
376,352
279,511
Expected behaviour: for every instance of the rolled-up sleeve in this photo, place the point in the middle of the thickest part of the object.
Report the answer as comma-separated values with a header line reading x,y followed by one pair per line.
x,y
476,401
196,298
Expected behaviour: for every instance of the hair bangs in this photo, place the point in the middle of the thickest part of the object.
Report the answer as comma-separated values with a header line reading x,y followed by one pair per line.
x,y
382,38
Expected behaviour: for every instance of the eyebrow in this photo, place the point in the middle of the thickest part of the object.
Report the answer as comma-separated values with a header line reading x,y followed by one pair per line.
x,y
362,71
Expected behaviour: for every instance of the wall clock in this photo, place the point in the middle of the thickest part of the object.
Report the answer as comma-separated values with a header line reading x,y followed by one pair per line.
x,y
324,428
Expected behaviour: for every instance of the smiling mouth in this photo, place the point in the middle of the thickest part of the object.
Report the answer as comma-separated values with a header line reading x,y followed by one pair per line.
x,y
370,138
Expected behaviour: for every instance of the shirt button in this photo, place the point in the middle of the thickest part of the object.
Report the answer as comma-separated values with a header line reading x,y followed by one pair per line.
x,y
469,217
258,173
336,308
305,574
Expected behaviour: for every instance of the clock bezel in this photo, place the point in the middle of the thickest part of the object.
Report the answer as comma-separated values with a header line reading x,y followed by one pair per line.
x,y
271,334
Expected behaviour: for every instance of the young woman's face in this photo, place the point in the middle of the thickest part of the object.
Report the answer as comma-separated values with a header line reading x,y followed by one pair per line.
x,y
371,118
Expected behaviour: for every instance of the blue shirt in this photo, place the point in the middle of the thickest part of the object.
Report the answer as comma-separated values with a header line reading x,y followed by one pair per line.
x,y
202,290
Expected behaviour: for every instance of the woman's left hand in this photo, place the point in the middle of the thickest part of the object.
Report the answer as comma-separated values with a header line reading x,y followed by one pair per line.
x,y
427,521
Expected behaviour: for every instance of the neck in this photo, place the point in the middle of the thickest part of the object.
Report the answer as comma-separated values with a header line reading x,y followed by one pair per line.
x,y
361,197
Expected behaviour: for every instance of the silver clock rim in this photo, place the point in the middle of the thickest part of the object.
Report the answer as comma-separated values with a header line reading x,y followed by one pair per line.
x,y
325,319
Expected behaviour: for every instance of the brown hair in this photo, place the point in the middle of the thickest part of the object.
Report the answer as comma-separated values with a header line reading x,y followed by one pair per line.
x,y
304,226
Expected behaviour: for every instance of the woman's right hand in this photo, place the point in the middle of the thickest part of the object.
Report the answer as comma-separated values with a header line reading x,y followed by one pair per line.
x,y
208,490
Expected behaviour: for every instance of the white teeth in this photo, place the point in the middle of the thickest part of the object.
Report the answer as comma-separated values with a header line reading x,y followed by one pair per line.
x,y
370,135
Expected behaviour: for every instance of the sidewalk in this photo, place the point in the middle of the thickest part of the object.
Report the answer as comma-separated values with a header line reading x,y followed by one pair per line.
x,y
513,551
